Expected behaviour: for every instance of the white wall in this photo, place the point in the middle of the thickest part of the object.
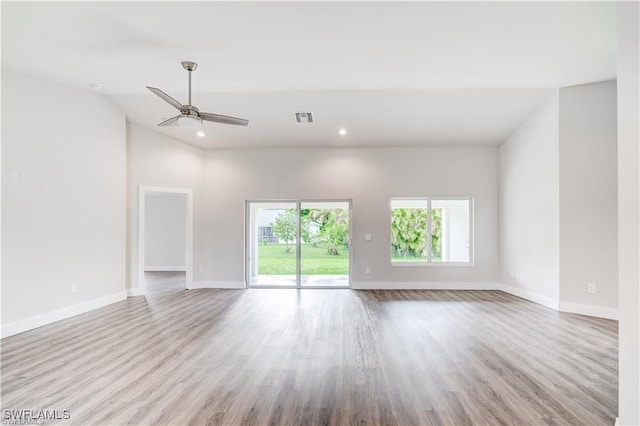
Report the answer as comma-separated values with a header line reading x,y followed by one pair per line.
x,y
159,161
63,221
628,48
588,196
368,176
558,208
529,206
165,232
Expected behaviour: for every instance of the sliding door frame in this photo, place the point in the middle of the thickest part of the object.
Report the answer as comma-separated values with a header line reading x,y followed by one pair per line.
x,y
298,203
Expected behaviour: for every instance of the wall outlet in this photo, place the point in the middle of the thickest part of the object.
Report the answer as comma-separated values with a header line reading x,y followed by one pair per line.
x,y
591,288
202,269
368,237
74,287
367,270
14,176
513,274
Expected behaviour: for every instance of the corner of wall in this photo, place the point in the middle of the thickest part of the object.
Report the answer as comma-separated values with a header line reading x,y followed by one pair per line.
x,y
528,176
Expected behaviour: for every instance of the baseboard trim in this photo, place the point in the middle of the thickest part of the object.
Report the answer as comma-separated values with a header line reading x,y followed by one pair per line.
x,y
590,310
165,268
571,308
27,324
135,291
422,285
216,284
549,302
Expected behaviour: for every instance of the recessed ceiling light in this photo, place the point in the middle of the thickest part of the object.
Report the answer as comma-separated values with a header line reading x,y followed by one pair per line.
x,y
200,133
342,131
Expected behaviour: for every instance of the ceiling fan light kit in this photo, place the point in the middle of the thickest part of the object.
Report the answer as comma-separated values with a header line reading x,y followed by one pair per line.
x,y
190,117
190,122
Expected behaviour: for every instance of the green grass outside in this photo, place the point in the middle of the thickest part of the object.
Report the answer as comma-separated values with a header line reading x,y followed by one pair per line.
x,y
273,260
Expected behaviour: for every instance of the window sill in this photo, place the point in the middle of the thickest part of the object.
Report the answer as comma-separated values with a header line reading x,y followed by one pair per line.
x,y
436,264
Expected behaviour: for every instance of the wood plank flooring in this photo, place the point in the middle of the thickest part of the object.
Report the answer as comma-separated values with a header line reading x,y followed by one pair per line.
x,y
272,357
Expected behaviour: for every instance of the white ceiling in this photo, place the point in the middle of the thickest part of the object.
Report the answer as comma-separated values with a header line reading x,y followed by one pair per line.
x,y
416,73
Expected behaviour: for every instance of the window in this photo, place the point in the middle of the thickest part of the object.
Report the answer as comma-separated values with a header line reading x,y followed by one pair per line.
x,y
431,231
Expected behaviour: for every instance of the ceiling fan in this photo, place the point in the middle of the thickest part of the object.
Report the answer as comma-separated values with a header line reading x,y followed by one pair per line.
x,y
190,116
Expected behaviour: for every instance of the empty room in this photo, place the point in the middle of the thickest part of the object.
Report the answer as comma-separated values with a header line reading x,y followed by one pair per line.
x,y
381,213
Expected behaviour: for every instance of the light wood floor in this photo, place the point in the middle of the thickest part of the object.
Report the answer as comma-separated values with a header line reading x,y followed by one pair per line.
x,y
266,356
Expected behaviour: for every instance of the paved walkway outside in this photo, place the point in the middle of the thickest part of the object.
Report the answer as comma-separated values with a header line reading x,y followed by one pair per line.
x,y
305,280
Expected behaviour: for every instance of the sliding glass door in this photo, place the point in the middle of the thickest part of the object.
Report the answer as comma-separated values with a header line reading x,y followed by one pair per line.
x,y
325,247
298,243
273,250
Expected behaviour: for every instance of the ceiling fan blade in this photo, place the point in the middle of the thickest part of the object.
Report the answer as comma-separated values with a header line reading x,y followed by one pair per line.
x,y
217,118
166,98
171,122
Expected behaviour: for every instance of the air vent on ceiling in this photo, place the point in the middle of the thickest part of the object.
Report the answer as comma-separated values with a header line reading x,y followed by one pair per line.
x,y
304,117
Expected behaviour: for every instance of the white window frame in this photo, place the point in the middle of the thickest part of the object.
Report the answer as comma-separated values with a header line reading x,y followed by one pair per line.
x,y
428,262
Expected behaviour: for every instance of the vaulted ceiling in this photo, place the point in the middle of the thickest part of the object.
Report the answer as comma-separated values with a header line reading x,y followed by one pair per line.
x,y
391,73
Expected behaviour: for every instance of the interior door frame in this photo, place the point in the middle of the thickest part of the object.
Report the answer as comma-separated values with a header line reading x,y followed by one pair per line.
x,y
142,192
298,203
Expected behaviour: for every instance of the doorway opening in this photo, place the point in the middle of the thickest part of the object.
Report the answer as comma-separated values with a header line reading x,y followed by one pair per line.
x,y
298,244
165,240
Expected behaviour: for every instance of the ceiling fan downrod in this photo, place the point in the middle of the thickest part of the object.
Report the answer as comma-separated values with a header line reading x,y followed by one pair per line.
x,y
189,66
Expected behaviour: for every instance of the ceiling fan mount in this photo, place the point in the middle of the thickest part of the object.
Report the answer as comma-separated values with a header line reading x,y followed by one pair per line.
x,y
190,116
189,66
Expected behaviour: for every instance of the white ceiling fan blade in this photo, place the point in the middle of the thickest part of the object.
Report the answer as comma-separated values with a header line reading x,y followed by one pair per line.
x,y
171,122
225,119
166,98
